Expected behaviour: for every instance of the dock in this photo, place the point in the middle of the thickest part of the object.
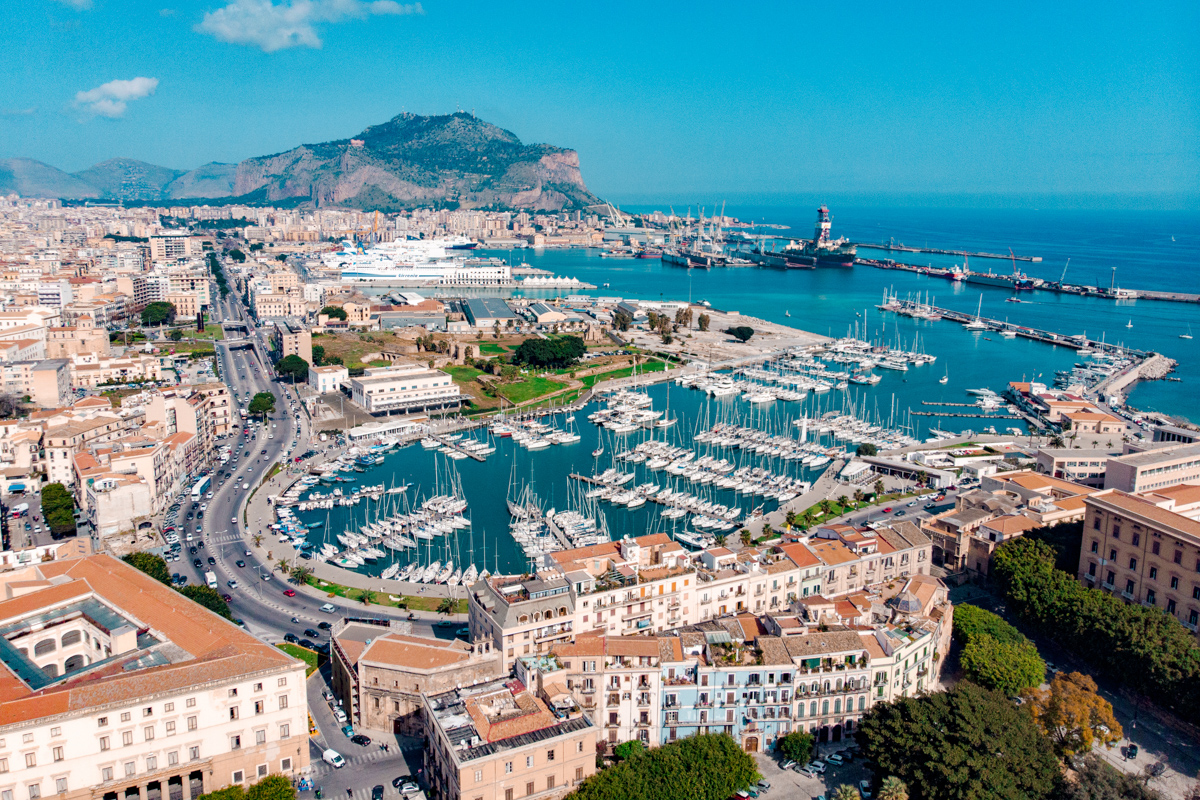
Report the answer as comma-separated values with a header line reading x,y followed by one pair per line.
x,y
981,415
442,440
903,248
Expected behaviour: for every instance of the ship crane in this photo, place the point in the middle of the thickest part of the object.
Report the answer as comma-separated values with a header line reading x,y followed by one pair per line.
x,y
1063,277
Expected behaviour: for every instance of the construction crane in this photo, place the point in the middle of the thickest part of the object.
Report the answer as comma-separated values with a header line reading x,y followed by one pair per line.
x,y
1063,277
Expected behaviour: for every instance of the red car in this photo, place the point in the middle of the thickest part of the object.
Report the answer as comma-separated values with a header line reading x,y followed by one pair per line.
x,y
887,510
289,592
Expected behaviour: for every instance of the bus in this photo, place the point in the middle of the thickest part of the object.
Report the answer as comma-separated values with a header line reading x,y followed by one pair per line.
x,y
200,488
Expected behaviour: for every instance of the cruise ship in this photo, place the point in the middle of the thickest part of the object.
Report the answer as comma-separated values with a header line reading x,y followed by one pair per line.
x,y
415,262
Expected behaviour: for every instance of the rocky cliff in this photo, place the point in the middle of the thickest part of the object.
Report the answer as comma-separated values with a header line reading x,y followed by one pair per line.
x,y
409,161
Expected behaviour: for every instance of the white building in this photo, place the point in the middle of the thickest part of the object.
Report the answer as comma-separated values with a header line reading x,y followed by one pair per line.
x,y
327,379
404,387
174,699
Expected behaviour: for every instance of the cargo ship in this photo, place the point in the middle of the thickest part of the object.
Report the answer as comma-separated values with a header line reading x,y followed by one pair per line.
x,y
821,251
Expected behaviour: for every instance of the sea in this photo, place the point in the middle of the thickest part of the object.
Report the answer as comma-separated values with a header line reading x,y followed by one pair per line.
x,y
1138,250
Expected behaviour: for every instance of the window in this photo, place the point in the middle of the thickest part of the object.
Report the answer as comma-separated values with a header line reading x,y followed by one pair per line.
x,y
285,765
171,728
1153,545
1129,587
3,765
233,712
235,742
507,767
35,791
1095,546
549,782
1137,539
285,730
258,687
192,723
579,770
101,722
56,731
191,702
148,712
1174,582
168,708
549,755
283,701
124,716
1150,596
194,753
106,774
103,742
148,732
130,768
529,788
1133,563
579,747
127,738
478,775
151,763
528,761
31,759
172,758
261,770
238,776
258,706
57,753
281,682
1170,606
260,737
233,693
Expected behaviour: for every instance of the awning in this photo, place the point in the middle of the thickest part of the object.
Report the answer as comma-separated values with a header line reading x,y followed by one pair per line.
x,y
16,487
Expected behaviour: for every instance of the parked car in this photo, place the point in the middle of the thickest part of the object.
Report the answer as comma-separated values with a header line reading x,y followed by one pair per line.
x,y
835,759
348,730
377,792
360,740
817,766
291,637
864,788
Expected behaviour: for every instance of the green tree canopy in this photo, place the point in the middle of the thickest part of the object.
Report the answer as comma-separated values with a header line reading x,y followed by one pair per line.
x,y
703,767
150,564
237,255
293,367
58,508
797,745
1007,667
550,353
742,332
967,743
318,353
1094,779
272,787
335,312
158,313
702,321
175,335
622,320
867,449
627,750
208,597
261,404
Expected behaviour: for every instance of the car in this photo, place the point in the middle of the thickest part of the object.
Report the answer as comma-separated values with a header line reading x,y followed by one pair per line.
x,y
289,592
334,758
231,584
240,563
817,766
348,730
901,513
847,755
233,520
291,637
323,625
1131,751
400,780
211,561
864,788
183,579
377,792
409,787
228,598
360,740
264,452
192,549
309,632
806,772
762,786
248,554
887,510
835,759
28,526
328,608
197,563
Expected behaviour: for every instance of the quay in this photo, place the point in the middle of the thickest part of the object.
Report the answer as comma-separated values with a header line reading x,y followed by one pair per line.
x,y
903,248
981,415
442,440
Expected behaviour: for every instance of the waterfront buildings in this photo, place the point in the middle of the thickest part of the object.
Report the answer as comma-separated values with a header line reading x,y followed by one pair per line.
x,y
1145,548
113,685
405,388
1154,468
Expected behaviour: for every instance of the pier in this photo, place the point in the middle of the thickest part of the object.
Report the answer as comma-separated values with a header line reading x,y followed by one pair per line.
x,y
903,248
442,440
981,415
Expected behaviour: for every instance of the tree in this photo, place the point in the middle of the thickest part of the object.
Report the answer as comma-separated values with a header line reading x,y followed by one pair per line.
x,y
283,565
790,519
892,788
237,255
257,539
158,313
843,501
745,537
622,319
447,606
1094,779
175,335
1007,667
720,539
496,329
684,317
704,767
550,353
826,506
58,509
1073,715
859,496
318,354
866,449
10,405
261,404
367,597
742,332
152,565
292,366
797,745
846,792
300,574
627,750
966,742
208,597
878,488
335,312
272,787
702,322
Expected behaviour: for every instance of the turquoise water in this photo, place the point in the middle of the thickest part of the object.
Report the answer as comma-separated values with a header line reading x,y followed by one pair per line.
x,y
832,302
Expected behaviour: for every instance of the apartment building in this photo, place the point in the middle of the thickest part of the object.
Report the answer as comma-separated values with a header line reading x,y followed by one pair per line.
x,y
90,370
104,698
49,382
498,740
82,337
1154,469
289,338
1083,466
380,671
328,378
618,681
405,388
172,246
1139,548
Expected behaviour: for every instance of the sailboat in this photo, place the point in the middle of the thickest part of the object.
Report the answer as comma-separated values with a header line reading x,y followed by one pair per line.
x,y
977,324
1187,335
945,378
1129,324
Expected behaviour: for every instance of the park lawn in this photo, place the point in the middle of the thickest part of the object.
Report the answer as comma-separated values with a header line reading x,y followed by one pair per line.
x,y
309,657
211,331
417,603
624,372
197,349
489,348
528,388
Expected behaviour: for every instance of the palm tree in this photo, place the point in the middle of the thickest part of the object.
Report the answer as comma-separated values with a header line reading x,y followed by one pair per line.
x,y
843,501
746,537
282,565
257,539
790,519
766,530
367,597
807,519
858,495
826,506
447,606
892,788
878,487
300,574
720,539
922,478
1057,441
846,792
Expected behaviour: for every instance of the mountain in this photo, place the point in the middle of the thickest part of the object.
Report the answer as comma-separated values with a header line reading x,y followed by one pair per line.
x,y
127,179
413,161
410,161
206,182
31,178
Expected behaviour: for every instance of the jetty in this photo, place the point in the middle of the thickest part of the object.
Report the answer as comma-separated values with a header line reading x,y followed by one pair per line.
x,y
454,445
904,248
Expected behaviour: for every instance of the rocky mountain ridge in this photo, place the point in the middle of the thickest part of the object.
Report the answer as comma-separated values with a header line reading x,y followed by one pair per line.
x,y
410,161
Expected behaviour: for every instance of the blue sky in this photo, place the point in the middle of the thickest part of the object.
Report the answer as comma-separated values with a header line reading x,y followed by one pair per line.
x,y
660,99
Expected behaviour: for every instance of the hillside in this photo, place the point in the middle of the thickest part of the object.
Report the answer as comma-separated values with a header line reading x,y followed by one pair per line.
x,y
409,161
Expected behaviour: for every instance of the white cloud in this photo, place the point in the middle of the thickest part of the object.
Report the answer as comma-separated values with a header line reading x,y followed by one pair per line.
x,y
110,99
78,5
293,23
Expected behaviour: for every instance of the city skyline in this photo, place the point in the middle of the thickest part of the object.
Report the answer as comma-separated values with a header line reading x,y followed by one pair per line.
x,y
657,102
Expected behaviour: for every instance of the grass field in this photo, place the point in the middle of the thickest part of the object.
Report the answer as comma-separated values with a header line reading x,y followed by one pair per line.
x,y
309,657
489,348
414,603
528,388
623,372
211,332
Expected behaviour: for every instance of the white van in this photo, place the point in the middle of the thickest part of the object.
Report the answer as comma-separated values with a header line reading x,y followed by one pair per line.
x,y
334,758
